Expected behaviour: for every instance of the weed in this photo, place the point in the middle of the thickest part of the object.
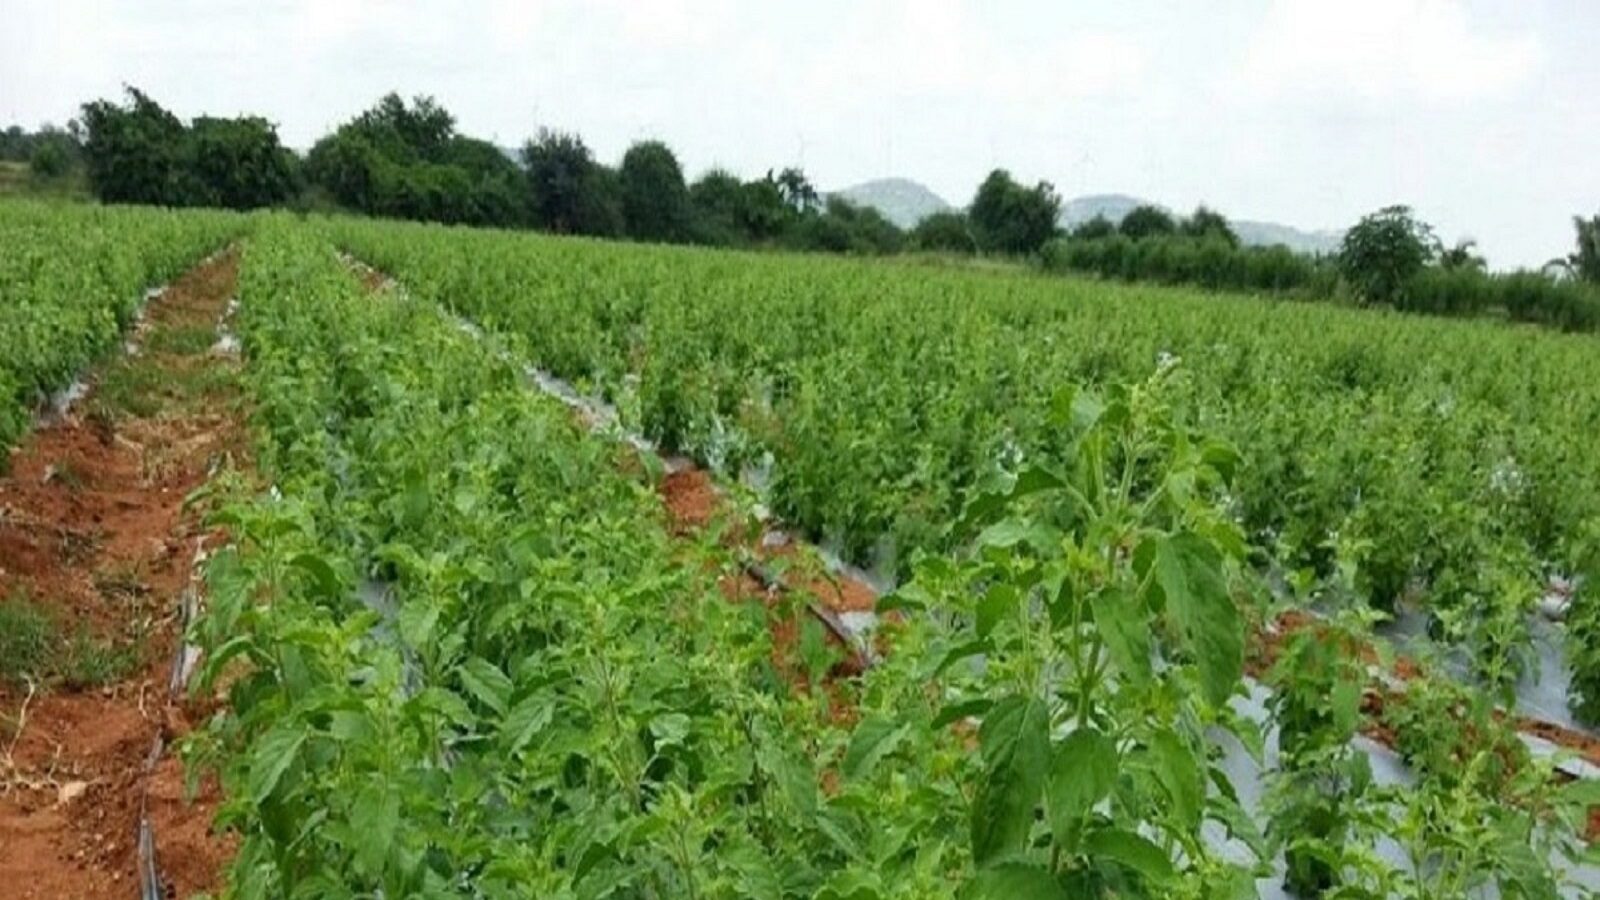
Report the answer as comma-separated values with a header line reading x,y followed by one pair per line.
x,y
27,639
181,340
88,662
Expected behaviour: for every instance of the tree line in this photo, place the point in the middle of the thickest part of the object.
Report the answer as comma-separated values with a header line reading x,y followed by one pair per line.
x,y
406,159
1388,258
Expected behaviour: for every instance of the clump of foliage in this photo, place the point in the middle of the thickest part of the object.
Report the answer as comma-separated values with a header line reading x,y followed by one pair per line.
x,y
28,641
568,192
1383,252
655,199
1208,223
141,153
1584,263
406,160
944,232
1147,221
1008,217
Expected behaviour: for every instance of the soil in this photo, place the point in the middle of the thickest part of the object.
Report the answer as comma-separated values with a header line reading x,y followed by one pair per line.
x,y
693,504
93,532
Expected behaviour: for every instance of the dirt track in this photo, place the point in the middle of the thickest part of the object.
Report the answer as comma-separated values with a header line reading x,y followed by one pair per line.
x,y
93,534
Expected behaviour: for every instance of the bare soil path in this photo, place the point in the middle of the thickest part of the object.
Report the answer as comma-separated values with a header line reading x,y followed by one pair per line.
x,y
96,548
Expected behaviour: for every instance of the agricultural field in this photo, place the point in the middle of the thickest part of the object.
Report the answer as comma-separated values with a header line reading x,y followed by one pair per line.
x,y
542,575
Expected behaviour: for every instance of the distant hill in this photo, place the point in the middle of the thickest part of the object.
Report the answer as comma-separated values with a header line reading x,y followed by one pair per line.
x,y
901,200
1268,233
1078,210
1115,206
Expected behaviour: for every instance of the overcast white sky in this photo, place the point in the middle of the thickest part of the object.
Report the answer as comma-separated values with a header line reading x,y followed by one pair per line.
x,y
1485,116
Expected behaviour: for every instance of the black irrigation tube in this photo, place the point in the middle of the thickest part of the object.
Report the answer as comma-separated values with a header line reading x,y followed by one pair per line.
x,y
185,655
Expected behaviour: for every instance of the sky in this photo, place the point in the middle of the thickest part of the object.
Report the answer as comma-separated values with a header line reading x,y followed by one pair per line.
x,y
1483,116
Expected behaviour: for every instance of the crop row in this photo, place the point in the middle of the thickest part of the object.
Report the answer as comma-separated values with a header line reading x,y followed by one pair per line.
x,y
71,281
463,657
1384,456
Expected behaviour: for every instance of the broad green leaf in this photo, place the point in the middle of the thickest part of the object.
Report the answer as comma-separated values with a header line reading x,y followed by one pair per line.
x,y
998,602
271,758
670,729
1123,624
1081,775
484,680
322,574
1015,740
1181,773
1131,850
525,720
955,712
876,737
375,818
1008,533
1187,571
1016,881
417,621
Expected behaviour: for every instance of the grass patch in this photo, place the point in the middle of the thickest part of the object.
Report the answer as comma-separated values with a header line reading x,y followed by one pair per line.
x,y
184,340
28,638
140,388
33,648
90,663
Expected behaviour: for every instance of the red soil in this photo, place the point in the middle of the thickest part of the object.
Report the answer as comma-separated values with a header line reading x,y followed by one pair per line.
x,y
93,532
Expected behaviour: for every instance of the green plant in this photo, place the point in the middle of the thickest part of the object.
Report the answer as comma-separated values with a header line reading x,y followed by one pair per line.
x,y
1102,600
28,640
1315,807
1381,254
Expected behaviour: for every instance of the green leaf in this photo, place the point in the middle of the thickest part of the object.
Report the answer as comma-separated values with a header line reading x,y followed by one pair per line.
x,y
960,652
1123,625
1008,533
998,602
272,756
1181,773
955,712
417,621
1188,573
1016,881
876,737
1130,850
1081,775
670,729
484,680
322,574
1015,739
375,816
526,719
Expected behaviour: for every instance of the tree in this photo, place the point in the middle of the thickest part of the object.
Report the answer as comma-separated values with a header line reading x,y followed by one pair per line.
x,y
845,227
1147,221
406,133
1585,261
1463,256
1009,218
568,192
947,232
49,160
717,203
406,160
134,152
796,190
1093,229
1208,223
1383,252
238,163
655,201
767,211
